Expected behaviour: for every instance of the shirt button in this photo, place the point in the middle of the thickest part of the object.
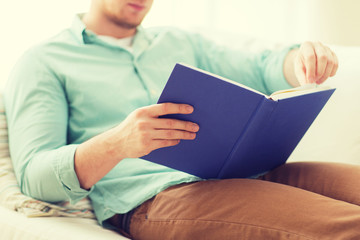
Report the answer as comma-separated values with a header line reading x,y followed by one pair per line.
x,y
153,92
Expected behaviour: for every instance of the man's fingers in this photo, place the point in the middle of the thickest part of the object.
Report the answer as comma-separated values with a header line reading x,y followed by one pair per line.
x,y
326,74
170,108
325,62
322,57
331,67
165,143
309,59
319,61
336,64
300,70
166,123
173,134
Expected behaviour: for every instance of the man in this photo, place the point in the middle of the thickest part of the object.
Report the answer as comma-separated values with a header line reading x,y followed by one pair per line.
x,y
81,111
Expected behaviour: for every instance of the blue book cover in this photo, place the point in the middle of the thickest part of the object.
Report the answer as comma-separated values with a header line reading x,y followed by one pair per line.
x,y
242,131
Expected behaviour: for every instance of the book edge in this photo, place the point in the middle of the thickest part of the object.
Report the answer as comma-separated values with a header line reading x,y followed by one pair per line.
x,y
299,91
223,78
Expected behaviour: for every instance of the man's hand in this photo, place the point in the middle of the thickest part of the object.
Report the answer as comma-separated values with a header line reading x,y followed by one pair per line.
x,y
139,134
142,131
314,63
311,63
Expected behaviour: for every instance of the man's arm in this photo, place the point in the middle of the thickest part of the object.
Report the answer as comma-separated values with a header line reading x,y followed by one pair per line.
x,y
37,116
311,63
267,71
49,168
139,134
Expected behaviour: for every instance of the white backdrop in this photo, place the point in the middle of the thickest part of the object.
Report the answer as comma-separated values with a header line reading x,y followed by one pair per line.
x,y
24,23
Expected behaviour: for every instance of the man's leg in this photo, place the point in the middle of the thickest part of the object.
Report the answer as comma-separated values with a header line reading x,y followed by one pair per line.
x,y
245,209
334,180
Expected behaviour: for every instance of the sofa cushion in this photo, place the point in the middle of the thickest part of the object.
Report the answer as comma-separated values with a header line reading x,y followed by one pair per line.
x,y
335,134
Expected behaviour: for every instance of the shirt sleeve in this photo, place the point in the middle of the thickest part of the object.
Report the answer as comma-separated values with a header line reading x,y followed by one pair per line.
x,y
262,71
37,116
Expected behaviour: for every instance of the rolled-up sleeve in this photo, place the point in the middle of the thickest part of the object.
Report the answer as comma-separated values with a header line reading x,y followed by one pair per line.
x,y
37,115
262,71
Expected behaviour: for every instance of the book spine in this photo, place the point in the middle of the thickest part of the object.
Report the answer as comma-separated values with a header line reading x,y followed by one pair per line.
x,y
246,143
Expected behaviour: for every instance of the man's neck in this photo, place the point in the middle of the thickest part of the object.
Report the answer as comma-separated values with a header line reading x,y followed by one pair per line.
x,y
101,25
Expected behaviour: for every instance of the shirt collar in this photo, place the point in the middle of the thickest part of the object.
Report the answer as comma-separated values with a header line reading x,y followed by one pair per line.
x,y
78,28
142,39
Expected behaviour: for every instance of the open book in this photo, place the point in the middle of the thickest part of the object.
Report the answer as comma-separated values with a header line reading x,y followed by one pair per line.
x,y
243,132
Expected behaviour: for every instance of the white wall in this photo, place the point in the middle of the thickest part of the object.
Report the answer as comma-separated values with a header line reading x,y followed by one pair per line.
x,y
330,21
26,22
266,19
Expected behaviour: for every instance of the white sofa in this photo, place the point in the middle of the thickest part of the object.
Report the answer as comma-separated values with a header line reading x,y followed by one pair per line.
x,y
16,226
334,136
22,217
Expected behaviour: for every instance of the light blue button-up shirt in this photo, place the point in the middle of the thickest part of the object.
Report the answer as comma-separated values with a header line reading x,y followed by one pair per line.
x,y
74,86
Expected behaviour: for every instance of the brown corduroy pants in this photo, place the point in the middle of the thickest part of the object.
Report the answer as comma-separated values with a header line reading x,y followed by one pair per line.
x,y
295,201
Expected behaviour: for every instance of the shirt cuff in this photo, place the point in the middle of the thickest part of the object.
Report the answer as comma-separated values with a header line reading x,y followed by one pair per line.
x,y
275,73
65,171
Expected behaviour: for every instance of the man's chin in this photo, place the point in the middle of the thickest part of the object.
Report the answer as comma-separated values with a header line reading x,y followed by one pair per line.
x,y
126,23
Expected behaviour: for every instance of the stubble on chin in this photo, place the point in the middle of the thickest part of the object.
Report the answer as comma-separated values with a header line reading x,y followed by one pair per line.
x,y
123,23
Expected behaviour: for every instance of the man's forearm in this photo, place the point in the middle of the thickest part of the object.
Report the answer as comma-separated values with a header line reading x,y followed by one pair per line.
x,y
94,159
